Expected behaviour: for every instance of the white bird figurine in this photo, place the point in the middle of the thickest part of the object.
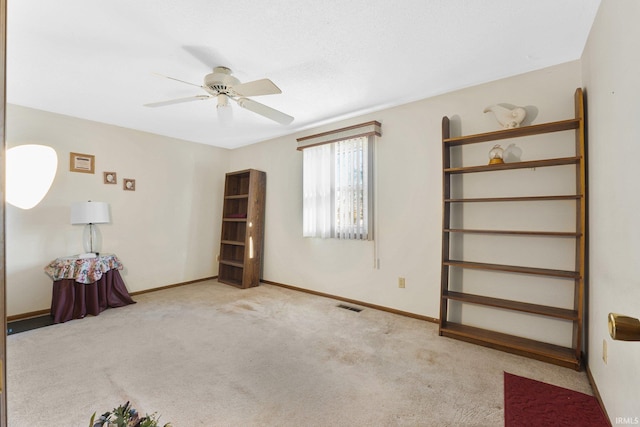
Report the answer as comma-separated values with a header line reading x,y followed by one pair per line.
x,y
507,118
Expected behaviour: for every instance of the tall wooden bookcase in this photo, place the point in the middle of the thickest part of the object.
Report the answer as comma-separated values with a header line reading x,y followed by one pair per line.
x,y
453,290
241,243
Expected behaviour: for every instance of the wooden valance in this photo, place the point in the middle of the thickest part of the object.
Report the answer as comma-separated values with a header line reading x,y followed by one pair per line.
x,y
355,131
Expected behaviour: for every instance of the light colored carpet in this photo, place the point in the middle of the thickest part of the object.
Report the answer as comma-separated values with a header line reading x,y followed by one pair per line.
x,y
208,354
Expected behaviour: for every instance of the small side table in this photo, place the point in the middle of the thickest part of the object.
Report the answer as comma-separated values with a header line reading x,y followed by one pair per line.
x,y
84,286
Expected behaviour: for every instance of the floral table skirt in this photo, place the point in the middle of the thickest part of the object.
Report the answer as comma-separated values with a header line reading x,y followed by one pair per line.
x,y
82,270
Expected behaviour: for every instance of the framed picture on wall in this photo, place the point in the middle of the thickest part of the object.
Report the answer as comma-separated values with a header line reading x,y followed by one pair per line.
x,y
85,163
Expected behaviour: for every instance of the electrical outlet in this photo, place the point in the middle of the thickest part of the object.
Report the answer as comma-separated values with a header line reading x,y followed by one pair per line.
x,y
604,351
401,282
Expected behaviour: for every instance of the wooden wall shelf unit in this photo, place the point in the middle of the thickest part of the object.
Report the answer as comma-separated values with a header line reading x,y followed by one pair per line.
x,y
240,262
568,356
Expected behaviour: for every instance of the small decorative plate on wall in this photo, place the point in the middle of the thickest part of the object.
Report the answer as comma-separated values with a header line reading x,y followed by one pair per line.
x,y
129,184
110,177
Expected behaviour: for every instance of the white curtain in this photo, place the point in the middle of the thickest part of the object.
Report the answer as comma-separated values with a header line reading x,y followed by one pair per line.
x,y
351,184
317,192
337,189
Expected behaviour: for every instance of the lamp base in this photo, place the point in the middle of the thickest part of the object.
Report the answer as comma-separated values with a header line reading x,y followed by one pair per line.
x,y
91,239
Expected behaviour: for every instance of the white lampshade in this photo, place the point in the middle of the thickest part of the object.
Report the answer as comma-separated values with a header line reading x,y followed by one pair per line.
x,y
90,213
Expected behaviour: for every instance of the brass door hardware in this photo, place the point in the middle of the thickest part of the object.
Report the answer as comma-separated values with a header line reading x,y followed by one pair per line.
x,y
624,328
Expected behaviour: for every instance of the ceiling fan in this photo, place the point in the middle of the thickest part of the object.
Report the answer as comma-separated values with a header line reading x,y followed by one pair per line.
x,y
223,86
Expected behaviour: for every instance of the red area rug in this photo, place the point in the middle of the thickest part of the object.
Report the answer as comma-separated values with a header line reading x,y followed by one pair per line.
x,y
533,403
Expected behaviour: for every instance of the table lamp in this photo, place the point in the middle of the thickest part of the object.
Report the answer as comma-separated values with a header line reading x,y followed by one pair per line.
x,y
90,213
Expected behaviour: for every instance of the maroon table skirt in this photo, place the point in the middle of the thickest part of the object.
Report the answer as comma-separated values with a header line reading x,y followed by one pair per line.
x,y
73,300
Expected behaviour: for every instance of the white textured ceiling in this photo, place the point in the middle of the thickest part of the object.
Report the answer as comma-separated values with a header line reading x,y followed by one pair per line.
x,y
332,59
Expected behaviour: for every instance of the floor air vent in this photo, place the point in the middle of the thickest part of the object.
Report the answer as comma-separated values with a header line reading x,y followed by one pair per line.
x,y
348,307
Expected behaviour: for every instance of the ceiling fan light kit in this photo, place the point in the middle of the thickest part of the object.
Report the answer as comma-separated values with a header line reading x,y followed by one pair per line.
x,y
223,86
223,100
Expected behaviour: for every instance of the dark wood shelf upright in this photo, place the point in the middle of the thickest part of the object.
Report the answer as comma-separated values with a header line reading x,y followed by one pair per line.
x,y
569,356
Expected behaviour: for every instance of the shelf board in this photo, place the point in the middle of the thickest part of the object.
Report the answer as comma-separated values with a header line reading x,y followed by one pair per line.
x,y
514,232
238,264
229,281
237,196
514,133
514,199
543,310
515,165
232,242
538,350
514,269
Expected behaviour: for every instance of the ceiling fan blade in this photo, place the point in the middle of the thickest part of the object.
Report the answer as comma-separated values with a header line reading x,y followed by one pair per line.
x,y
207,55
178,101
178,80
263,110
257,88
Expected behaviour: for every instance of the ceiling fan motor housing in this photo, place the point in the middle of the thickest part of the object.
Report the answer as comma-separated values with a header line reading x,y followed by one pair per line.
x,y
220,82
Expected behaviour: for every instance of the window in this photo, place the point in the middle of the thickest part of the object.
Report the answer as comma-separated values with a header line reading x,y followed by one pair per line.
x,y
338,183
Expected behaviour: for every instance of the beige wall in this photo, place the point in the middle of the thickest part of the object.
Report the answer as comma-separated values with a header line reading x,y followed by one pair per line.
x,y
611,66
409,188
165,232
